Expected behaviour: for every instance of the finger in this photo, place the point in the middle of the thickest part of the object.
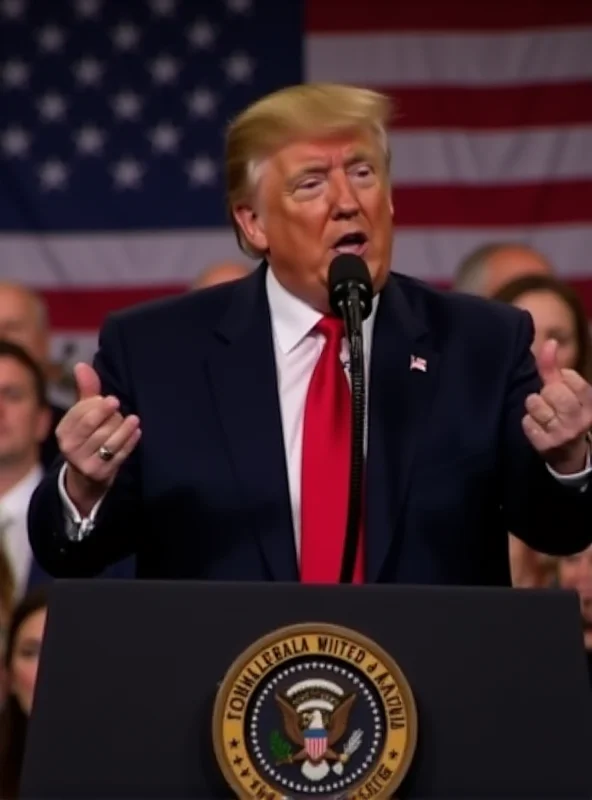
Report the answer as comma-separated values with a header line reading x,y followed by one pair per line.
x,y
123,441
561,399
101,470
91,465
88,382
540,411
80,428
579,386
540,438
547,362
113,439
89,445
80,409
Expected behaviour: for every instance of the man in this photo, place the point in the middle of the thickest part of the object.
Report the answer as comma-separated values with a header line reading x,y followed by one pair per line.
x,y
24,421
231,461
24,320
220,273
493,265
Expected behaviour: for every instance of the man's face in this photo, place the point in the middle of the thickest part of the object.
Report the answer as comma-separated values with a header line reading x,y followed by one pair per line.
x,y
316,199
24,423
19,322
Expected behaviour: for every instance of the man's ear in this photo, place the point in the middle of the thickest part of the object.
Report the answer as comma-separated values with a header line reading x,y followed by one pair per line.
x,y
252,226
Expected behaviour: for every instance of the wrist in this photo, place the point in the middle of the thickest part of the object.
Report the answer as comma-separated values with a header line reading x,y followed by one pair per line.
x,y
571,461
83,492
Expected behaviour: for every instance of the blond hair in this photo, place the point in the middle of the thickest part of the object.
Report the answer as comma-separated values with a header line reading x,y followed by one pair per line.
x,y
313,110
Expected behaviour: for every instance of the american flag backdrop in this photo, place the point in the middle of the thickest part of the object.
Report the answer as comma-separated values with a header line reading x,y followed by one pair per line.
x,y
113,112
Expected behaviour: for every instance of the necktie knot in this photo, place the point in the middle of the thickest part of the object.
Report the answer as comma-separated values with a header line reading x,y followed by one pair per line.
x,y
332,329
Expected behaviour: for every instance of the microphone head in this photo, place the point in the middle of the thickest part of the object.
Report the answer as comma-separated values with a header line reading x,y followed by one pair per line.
x,y
348,270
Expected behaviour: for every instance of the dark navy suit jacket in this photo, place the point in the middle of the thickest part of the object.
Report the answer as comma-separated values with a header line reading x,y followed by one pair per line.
x,y
205,496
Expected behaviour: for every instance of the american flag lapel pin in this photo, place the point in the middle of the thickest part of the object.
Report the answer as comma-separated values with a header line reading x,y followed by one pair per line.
x,y
418,363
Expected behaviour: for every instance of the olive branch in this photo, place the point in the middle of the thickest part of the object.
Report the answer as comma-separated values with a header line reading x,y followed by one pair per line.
x,y
280,748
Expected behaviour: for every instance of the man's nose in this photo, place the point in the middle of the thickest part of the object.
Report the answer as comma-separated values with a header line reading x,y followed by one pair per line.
x,y
345,200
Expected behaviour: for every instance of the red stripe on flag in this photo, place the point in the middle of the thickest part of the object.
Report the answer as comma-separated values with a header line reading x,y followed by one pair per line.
x,y
335,16
493,206
81,310
543,105
85,309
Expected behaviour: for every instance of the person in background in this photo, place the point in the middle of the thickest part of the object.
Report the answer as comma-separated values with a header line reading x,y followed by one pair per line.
x,y
24,422
6,602
575,572
23,645
489,267
558,314
24,321
223,272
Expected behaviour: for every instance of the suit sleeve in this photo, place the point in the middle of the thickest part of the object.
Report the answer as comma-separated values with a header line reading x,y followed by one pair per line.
x,y
120,514
546,514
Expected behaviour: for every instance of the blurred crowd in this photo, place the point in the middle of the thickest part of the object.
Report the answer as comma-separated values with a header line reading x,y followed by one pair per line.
x,y
32,404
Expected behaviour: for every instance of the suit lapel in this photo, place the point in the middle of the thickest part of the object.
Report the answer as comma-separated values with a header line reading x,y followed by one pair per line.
x,y
399,402
242,374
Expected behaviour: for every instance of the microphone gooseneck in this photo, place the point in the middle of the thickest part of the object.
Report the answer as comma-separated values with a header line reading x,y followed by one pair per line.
x,y
350,297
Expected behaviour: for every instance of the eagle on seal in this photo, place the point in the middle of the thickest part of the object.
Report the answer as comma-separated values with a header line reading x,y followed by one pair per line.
x,y
316,731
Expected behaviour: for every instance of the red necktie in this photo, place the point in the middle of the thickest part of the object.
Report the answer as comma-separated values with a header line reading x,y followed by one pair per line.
x,y
325,464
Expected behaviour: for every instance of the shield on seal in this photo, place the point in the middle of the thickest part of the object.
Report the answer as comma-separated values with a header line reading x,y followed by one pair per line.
x,y
315,742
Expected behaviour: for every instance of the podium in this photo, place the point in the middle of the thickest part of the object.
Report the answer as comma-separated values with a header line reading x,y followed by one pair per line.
x,y
130,672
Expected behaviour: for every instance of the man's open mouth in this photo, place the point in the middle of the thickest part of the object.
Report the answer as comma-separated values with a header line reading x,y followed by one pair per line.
x,y
355,242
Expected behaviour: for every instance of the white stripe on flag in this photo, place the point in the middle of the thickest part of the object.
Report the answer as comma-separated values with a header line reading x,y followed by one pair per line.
x,y
443,59
88,260
429,253
491,158
434,255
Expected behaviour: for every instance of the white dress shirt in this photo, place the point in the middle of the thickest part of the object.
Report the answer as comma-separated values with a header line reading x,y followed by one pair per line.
x,y
14,506
297,349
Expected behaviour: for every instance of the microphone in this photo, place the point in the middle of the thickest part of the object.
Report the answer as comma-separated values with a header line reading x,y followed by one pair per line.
x,y
350,297
350,291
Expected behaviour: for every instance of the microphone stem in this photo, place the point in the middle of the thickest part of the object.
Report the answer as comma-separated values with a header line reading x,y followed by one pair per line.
x,y
353,325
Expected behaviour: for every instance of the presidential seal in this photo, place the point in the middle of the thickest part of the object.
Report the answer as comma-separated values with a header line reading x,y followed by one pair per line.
x,y
314,711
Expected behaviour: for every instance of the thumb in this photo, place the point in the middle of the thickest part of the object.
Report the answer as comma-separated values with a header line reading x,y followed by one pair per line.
x,y
547,362
88,382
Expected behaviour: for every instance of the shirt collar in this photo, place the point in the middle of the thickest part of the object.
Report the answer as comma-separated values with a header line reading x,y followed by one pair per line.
x,y
17,499
292,319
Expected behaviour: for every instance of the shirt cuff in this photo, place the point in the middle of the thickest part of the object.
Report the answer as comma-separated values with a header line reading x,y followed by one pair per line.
x,y
577,480
77,527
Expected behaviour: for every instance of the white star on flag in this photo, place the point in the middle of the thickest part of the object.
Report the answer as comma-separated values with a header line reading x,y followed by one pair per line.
x,y
88,71
201,171
201,35
90,140
15,74
128,173
201,103
15,141
239,68
53,174
127,105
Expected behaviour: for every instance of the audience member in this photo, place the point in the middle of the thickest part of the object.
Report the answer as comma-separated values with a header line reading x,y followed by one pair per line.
x,y
23,645
223,272
6,602
559,314
489,267
24,320
24,422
